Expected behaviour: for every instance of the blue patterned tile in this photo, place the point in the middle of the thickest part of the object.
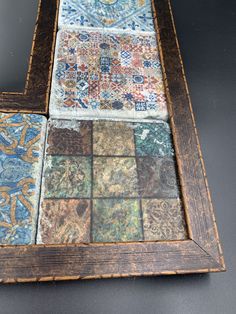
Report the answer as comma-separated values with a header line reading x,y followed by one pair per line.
x,y
132,15
21,148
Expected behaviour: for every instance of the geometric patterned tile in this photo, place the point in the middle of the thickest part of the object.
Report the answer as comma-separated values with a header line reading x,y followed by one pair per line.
x,y
133,15
22,139
69,137
67,177
153,139
163,219
64,221
157,177
107,75
115,177
116,220
113,139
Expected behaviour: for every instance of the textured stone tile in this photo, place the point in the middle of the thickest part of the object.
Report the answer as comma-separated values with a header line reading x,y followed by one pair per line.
x,y
115,177
107,75
66,137
113,138
163,219
157,177
122,14
153,139
67,177
116,220
64,221
22,140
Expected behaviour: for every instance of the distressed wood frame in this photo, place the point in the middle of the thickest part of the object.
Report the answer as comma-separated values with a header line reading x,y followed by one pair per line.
x,y
201,253
35,97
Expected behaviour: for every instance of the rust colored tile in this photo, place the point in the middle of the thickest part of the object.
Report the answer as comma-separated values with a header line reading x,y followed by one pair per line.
x,y
157,177
163,219
113,138
64,221
69,137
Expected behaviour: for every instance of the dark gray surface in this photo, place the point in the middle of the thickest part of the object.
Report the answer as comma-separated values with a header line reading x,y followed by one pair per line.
x,y
17,23
207,34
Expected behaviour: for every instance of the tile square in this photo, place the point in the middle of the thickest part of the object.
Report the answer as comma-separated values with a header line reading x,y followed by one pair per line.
x,y
22,139
116,220
157,177
163,219
66,137
115,177
112,138
153,139
132,15
110,76
67,177
64,221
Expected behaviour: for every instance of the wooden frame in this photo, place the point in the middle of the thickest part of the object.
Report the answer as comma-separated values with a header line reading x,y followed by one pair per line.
x,y
199,254
35,96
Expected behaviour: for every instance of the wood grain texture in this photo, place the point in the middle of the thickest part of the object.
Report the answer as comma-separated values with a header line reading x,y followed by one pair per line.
x,y
201,253
194,186
35,97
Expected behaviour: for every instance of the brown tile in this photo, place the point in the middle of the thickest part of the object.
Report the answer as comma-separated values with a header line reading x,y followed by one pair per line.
x,y
69,137
157,177
115,177
113,138
163,219
64,221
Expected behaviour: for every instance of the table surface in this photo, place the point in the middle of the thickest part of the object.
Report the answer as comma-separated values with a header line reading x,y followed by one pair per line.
x,y
206,31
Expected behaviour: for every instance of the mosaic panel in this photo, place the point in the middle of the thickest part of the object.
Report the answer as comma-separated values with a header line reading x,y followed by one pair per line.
x,y
132,15
22,140
107,75
116,183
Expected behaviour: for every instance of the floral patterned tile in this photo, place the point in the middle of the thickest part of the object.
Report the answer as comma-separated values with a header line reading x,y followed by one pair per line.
x,y
163,219
116,220
133,15
153,139
22,140
64,221
107,75
115,177
157,177
67,177
113,139
69,137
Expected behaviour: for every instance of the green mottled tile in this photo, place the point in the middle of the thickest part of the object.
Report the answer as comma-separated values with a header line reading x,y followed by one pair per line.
x,y
113,138
67,177
153,139
163,219
116,220
115,177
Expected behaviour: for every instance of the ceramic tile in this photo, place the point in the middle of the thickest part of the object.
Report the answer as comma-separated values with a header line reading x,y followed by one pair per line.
x,y
116,220
153,139
115,176
113,139
22,140
163,219
69,138
157,177
67,177
64,221
107,75
133,15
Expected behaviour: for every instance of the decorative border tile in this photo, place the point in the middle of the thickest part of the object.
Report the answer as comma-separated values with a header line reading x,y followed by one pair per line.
x,y
22,139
